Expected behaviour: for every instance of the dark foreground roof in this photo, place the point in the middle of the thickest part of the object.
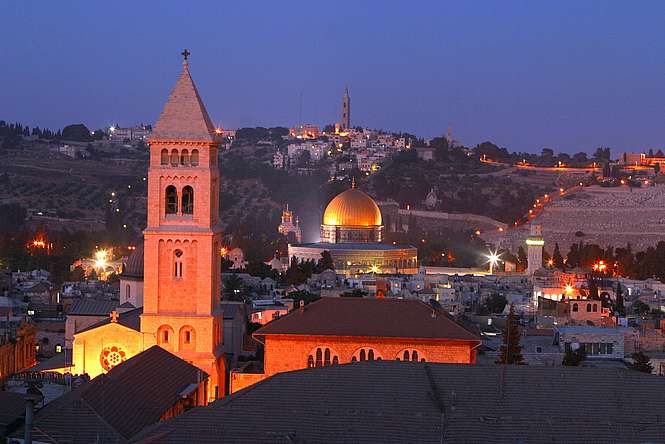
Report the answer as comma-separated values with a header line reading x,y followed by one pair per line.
x,y
391,402
130,319
394,318
12,409
113,407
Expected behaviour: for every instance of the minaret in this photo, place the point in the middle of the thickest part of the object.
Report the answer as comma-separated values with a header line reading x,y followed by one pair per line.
x,y
182,241
346,110
534,244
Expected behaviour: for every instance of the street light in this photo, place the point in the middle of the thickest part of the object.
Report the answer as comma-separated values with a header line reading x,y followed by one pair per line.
x,y
493,259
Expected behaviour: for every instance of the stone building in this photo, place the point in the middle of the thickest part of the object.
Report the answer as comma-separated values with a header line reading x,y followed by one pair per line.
x,y
334,331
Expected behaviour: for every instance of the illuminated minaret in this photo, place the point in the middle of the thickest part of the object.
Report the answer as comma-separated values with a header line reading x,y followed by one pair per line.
x,y
346,109
182,242
534,244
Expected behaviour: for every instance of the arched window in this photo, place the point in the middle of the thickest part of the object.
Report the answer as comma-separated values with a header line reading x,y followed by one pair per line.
x,y
177,263
195,158
128,291
187,338
175,159
575,308
171,200
188,200
165,157
365,354
322,357
165,336
184,158
595,308
410,355
588,308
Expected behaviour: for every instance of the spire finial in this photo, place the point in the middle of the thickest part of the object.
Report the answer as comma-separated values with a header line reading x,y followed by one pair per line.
x,y
185,55
353,183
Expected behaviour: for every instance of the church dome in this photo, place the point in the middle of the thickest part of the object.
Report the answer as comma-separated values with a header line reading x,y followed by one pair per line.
x,y
352,208
134,265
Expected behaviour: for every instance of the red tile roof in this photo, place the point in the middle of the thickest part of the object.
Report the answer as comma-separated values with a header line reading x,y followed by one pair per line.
x,y
345,316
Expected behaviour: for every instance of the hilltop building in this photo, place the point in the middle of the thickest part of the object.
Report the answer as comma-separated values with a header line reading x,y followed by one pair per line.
x,y
182,242
352,232
288,225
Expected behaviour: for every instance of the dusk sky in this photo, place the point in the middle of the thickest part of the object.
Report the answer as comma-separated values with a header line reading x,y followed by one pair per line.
x,y
570,75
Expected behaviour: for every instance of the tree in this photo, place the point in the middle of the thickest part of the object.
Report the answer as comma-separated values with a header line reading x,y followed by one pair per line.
x,y
619,307
511,350
496,303
573,358
557,258
641,363
326,262
640,308
233,287
522,261
78,132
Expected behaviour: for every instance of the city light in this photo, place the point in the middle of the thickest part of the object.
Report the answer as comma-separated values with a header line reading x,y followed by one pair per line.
x,y
568,289
101,257
600,266
550,263
493,259
375,268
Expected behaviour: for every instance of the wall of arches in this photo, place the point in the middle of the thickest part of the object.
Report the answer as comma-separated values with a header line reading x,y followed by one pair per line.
x,y
179,157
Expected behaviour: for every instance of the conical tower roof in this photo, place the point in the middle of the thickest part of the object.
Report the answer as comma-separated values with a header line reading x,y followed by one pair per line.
x,y
184,116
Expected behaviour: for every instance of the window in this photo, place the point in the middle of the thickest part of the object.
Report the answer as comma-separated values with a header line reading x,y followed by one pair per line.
x,y
128,291
165,157
171,200
58,348
539,349
165,336
595,308
188,337
184,158
321,357
588,308
366,354
575,308
194,160
410,355
188,200
177,263
175,159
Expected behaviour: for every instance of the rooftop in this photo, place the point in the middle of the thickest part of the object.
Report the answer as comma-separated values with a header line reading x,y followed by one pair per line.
x,y
130,319
93,307
353,246
391,402
347,316
115,406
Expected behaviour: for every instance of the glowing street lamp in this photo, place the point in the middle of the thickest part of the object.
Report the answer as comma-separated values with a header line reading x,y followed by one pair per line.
x,y
493,259
101,259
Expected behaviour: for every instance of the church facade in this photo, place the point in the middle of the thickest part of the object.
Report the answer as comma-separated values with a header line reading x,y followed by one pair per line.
x,y
181,252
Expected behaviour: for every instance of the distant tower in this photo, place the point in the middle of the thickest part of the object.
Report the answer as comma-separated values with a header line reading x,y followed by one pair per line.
x,y
449,137
346,109
534,244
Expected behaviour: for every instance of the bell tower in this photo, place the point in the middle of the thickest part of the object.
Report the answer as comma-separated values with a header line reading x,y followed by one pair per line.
x,y
181,310
346,110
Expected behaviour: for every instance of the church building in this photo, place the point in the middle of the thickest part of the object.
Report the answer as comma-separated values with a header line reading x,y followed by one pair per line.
x,y
181,290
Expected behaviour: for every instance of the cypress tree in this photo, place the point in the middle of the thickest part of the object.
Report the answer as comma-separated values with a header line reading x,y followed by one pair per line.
x,y
511,350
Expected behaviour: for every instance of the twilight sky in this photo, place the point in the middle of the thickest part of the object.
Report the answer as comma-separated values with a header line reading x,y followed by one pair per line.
x,y
570,75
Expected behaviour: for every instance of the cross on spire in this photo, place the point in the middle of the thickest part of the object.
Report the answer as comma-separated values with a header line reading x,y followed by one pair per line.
x,y
114,316
185,54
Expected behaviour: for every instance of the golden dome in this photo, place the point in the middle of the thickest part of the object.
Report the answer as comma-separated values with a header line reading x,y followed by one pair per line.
x,y
352,208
